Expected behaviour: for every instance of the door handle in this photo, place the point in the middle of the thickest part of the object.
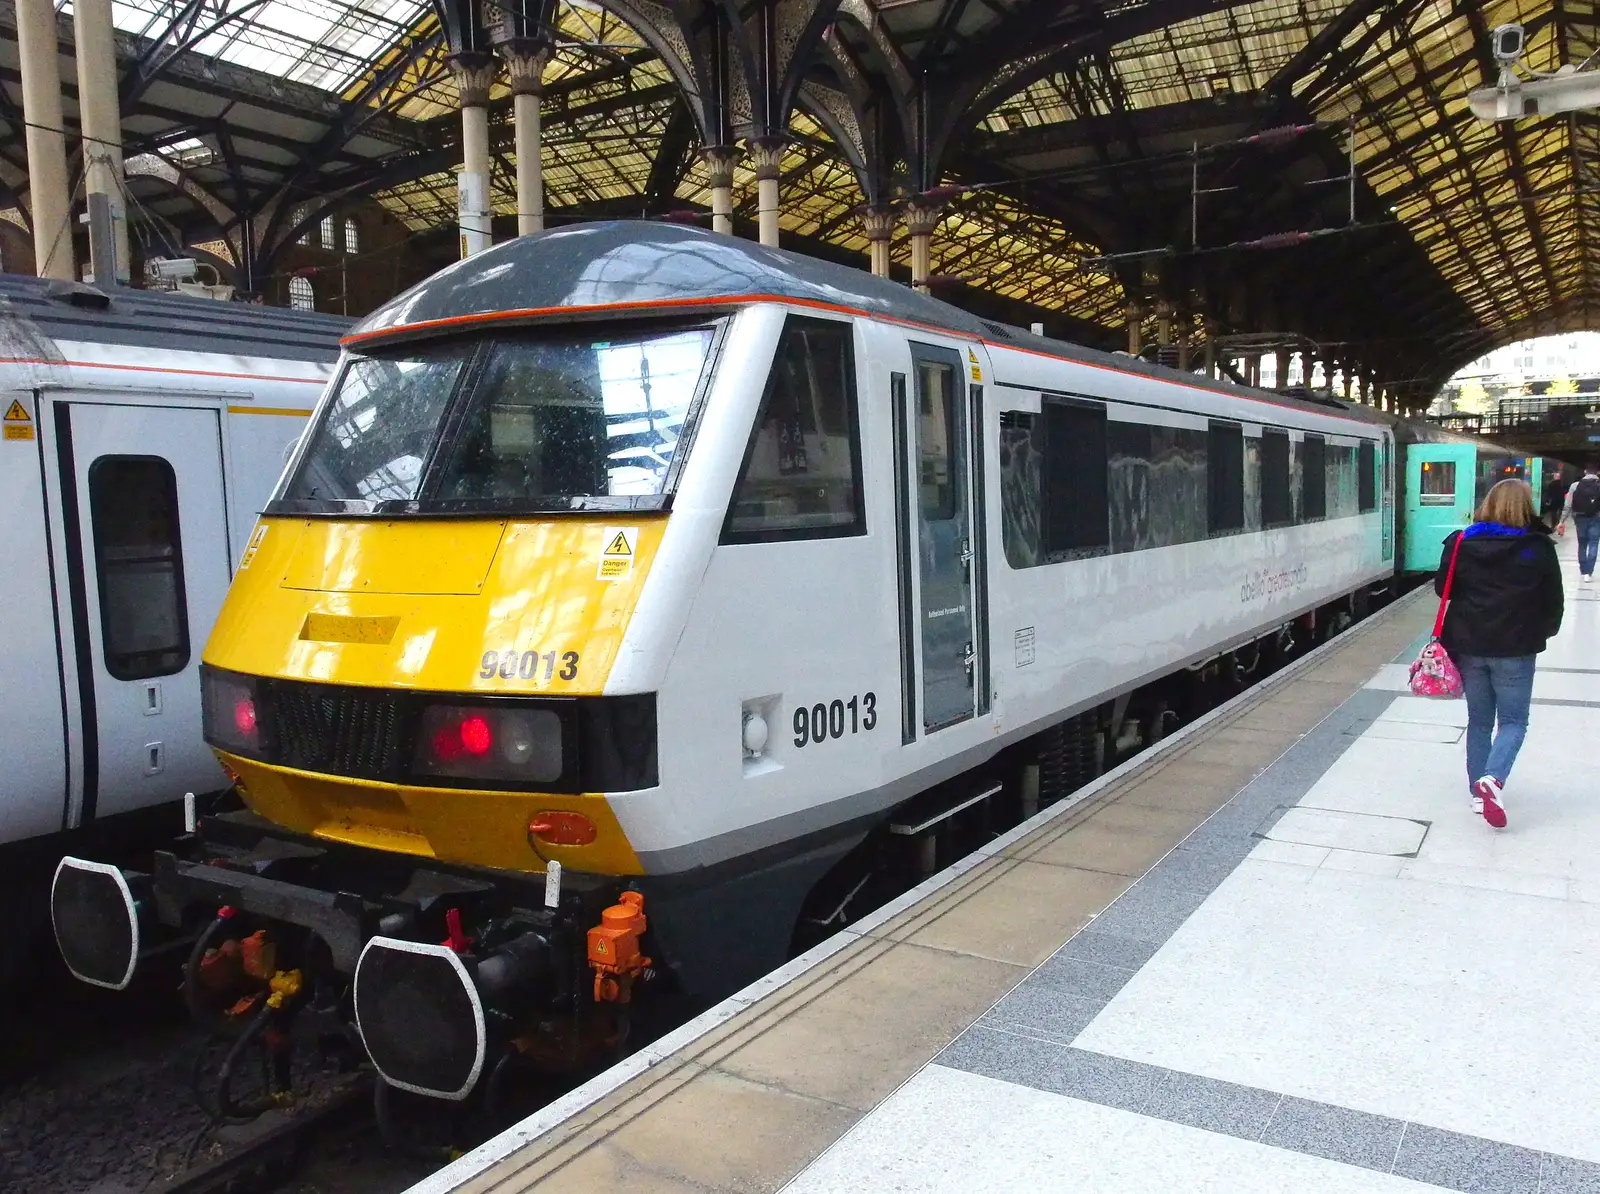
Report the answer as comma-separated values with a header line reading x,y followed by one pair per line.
x,y
968,658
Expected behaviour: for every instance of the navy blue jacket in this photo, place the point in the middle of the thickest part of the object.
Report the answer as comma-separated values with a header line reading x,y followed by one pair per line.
x,y
1506,599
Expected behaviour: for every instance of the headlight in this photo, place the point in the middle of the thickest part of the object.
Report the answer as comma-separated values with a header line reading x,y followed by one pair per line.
x,y
229,714
490,742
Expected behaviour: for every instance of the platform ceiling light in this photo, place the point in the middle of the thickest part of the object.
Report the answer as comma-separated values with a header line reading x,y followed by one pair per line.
x,y
1568,89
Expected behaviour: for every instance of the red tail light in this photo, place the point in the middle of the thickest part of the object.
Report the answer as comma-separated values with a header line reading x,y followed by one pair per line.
x,y
244,716
475,736
469,736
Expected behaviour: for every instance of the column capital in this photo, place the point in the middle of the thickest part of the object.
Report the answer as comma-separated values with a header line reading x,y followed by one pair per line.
x,y
923,214
525,61
878,221
766,156
475,72
720,161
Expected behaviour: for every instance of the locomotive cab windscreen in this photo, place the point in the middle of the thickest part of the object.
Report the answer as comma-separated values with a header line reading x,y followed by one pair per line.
x,y
504,424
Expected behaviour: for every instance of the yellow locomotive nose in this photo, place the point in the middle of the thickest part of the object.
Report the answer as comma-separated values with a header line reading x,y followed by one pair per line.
x,y
408,685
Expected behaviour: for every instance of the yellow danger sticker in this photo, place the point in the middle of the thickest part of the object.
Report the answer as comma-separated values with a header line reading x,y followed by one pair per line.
x,y
616,556
18,422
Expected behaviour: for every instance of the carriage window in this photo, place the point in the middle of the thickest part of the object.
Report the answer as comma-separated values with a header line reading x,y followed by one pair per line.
x,y
1276,506
1438,486
1313,478
144,624
1367,477
1225,477
1076,503
801,477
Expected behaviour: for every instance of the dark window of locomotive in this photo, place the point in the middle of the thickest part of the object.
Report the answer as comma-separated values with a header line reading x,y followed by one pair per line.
x,y
801,477
1313,478
1076,510
1367,476
1225,477
144,622
1276,507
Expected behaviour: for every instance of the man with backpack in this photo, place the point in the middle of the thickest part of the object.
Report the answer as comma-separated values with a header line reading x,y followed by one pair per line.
x,y
1583,503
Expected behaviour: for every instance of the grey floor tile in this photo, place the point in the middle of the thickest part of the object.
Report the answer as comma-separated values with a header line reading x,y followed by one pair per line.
x,y
1225,1107
993,1053
1568,1175
1076,978
1094,946
1110,1081
1338,1133
1467,1163
1202,864
1148,911
1094,1077
1043,1012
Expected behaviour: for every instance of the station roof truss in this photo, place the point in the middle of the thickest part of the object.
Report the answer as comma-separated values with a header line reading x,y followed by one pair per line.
x,y
1301,167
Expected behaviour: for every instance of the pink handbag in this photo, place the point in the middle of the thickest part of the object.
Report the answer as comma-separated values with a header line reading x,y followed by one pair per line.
x,y
1434,674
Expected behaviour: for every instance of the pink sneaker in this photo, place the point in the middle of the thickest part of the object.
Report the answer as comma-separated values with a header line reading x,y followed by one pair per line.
x,y
1488,790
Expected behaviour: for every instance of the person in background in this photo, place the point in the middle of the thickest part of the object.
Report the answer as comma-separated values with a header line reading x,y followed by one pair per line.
x,y
1506,603
1583,505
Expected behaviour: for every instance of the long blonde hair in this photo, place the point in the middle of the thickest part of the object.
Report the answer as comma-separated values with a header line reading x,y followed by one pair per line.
x,y
1508,502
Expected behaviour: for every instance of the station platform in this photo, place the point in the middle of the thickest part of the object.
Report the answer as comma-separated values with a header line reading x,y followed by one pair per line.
x,y
1277,951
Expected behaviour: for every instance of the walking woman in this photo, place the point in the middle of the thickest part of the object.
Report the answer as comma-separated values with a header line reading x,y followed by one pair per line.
x,y
1505,604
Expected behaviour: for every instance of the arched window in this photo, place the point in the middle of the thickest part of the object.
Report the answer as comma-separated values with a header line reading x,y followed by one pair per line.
x,y
328,232
301,296
352,242
305,232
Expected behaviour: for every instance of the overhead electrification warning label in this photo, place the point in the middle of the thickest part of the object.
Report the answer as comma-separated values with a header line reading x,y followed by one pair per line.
x,y
616,556
18,423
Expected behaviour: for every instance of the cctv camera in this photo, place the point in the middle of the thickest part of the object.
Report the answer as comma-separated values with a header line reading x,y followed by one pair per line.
x,y
1508,43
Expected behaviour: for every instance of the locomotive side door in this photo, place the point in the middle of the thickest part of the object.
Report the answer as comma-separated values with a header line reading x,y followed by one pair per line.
x,y
141,500
944,541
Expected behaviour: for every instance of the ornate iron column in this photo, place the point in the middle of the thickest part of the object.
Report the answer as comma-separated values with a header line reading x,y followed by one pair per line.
x,y
878,222
766,153
101,123
475,71
720,161
525,59
48,208
922,217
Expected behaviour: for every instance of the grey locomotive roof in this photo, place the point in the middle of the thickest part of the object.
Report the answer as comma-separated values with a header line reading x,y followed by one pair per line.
x,y
639,262
31,308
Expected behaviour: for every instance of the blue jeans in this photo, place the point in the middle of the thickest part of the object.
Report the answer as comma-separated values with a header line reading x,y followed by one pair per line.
x,y
1588,528
1496,690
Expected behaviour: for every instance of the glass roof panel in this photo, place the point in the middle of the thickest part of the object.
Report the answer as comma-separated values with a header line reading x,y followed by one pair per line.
x,y
322,43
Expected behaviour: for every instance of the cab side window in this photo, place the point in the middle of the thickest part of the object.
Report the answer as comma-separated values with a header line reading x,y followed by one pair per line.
x,y
801,477
133,506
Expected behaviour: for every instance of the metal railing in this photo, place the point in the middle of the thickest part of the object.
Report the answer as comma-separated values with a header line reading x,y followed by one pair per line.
x,y
1528,415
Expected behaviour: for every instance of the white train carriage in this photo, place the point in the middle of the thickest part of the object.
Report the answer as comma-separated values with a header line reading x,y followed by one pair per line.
x,y
142,433
696,567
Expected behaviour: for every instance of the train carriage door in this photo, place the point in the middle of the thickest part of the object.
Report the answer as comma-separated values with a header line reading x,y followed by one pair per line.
x,y
1440,479
142,505
33,759
941,510
1386,480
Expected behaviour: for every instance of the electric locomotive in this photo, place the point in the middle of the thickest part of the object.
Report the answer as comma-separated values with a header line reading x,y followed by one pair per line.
x,y
637,591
